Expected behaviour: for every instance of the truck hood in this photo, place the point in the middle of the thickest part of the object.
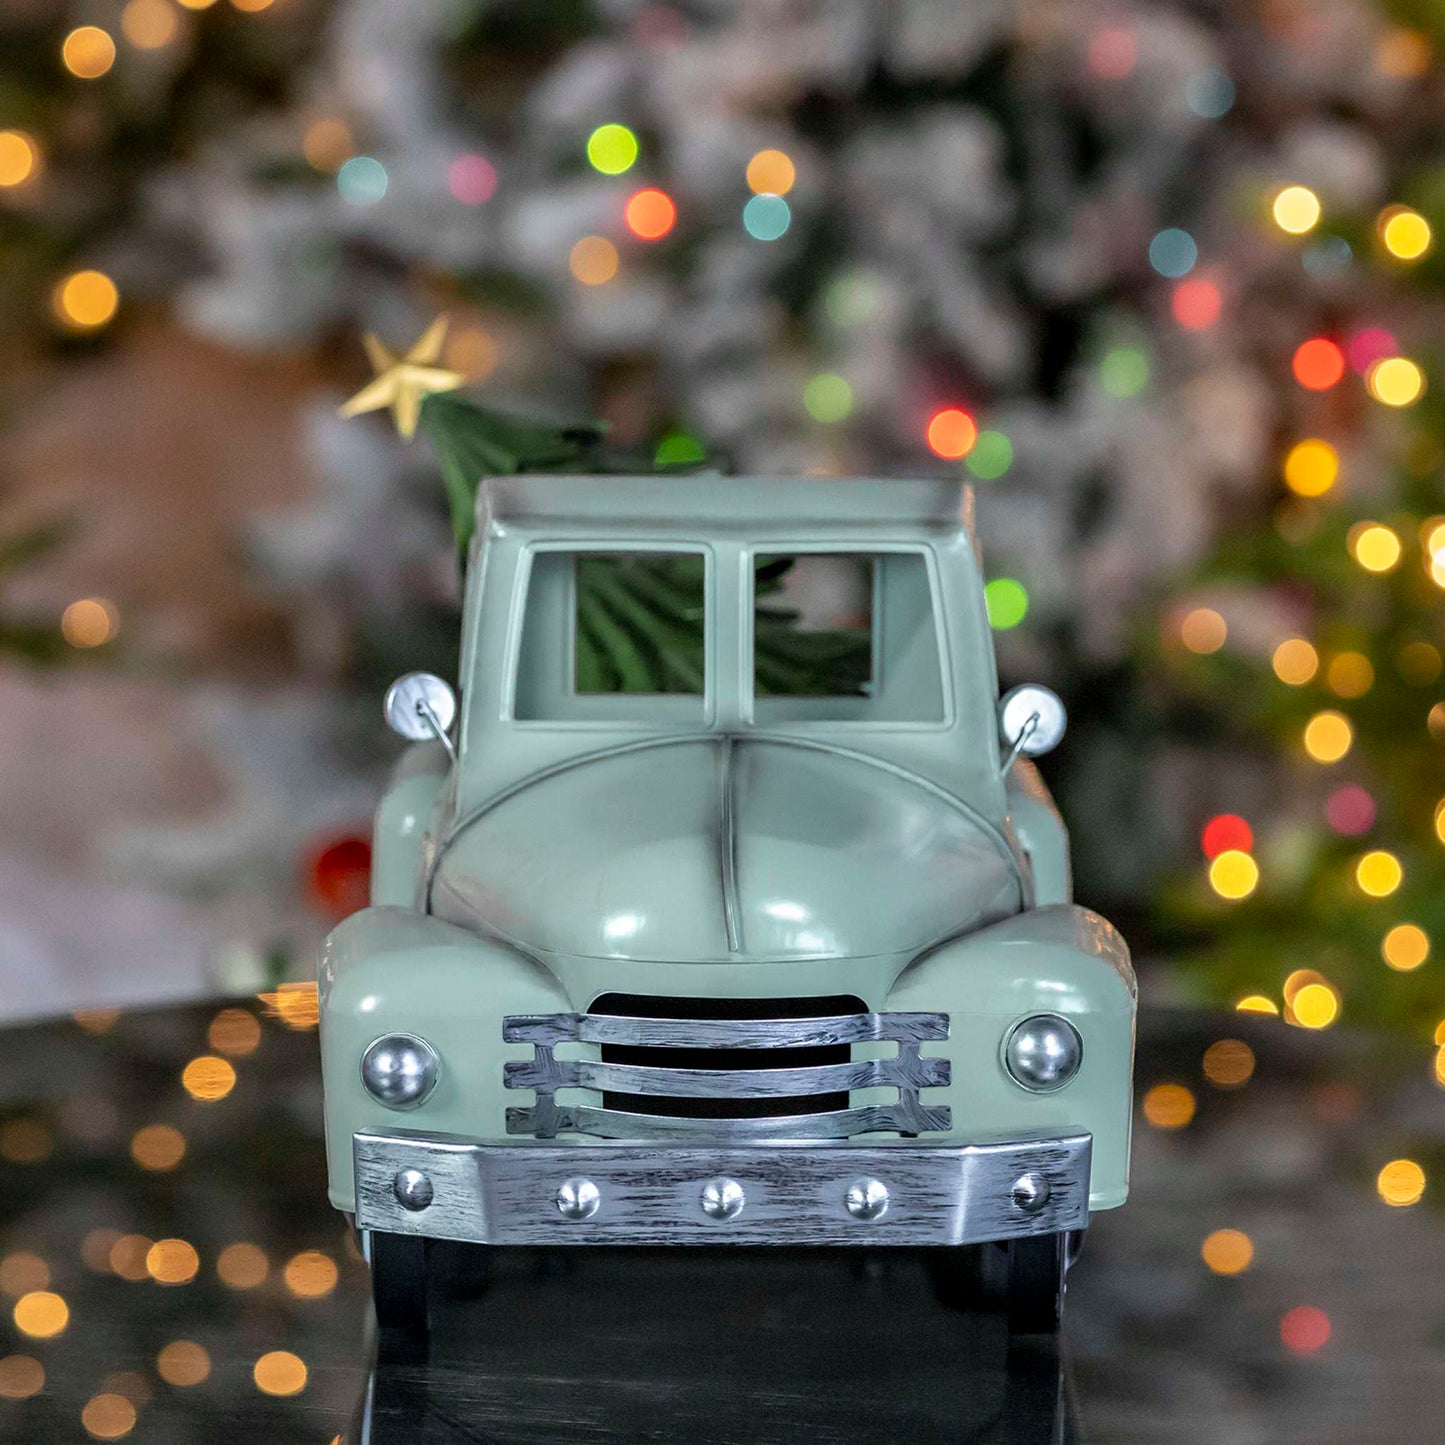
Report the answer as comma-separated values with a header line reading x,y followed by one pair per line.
x,y
722,849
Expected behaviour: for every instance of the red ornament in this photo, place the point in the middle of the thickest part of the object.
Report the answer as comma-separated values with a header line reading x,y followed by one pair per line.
x,y
338,875
1226,832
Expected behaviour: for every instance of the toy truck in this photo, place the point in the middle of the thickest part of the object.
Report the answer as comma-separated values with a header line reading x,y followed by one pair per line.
x,y
727,906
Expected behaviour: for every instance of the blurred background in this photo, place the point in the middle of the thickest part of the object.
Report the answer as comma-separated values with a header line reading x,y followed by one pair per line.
x,y
1162,280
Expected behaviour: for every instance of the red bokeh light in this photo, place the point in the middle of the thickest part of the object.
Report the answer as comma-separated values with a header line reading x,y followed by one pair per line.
x,y
1113,54
951,433
338,875
1226,831
1305,1329
1372,344
1196,304
1350,810
651,214
1318,364
472,179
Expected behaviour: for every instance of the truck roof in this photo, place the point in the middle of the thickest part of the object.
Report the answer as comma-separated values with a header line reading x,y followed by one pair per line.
x,y
711,500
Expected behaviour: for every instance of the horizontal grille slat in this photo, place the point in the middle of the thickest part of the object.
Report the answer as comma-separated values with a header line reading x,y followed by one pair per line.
x,y
835,1124
798,1033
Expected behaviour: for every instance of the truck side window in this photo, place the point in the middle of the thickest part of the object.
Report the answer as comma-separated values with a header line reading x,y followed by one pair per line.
x,y
602,631
844,637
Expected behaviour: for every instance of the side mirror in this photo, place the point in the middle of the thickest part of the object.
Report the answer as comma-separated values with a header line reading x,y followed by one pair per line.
x,y
1031,721
419,706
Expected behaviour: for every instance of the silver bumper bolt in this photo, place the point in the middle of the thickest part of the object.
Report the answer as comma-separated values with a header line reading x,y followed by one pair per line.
x,y
867,1199
578,1199
413,1190
1030,1192
723,1198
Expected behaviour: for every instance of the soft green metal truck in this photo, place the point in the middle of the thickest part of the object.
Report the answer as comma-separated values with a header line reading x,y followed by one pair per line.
x,y
679,940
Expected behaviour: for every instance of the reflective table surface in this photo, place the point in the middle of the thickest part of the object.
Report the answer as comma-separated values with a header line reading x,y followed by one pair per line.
x,y
170,1271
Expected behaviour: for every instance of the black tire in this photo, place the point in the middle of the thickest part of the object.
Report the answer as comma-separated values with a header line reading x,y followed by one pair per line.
x,y
399,1282
1034,1292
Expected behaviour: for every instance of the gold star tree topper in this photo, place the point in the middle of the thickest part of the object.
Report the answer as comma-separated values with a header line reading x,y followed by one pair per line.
x,y
401,382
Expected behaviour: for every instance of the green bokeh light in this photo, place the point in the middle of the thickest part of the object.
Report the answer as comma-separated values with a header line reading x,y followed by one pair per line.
x,y
1007,601
854,298
678,449
828,397
1124,371
612,149
991,457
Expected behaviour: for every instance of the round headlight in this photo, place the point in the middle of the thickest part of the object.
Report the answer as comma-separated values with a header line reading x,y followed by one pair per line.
x,y
1043,1052
400,1070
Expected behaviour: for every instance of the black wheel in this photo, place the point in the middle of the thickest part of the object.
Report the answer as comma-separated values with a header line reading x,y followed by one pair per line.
x,y
399,1282
1034,1292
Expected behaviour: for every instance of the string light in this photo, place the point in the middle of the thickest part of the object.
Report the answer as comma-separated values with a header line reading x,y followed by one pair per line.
x,y
612,149
88,52
771,172
1227,1251
593,260
1328,736
1376,547
1295,661
86,300
1233,874
651,214
1168,1106
1311,467
1405,233
1378,873
1405,947
19,158
1350,674
951,433
1296,210
1395,381
1203,631
767,217
1401,1183
1318,363
1225,831
1007,602
828,398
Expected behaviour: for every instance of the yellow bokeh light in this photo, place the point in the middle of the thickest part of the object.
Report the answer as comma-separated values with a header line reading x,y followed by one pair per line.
x,y
172,1261
196,4
771,173
26,1141
88,52
1395,381
128,1257
183,1363
251,7
593,260
328,144
1406,946
1435,722
21,1377
1203,631
1403,53
1227,1251
1297,980
1233,874
149,24
1350,674
1315,1006
310,1274
1295,661
158,1147
1378,873
243,1266
40,1314
1328,736
1419,663
85,300
1311,467
89,622
472,351
1401,1183
108,1417
208,1078
1376,547
280,1373
234,1031
1440,1065
1256,1003
1296,210
19,158
1228,1063
296,1005
22,1273
1406,233
1440,820
1168,1106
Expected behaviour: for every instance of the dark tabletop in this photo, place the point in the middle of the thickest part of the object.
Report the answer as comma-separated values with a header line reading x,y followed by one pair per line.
x,y
1333,1332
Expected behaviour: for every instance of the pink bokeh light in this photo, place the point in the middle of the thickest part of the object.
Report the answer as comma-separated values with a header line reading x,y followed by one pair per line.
x,y
472,179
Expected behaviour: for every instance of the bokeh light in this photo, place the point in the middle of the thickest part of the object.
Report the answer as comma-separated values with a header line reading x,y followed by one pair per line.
x,y
1295,661
242,1266
1378,873
40,1314
19,158
1296,209
1311,467
208,1078
593,260
23,1272
1304,1329
1405,233
1419,663
89,622
1396,381
612,149
1350,674
1256,1003
1227,1251
1315,1006
328,144
1376,547
828,398
362,181
1225,831
1007,601
990,457
234,1031
1405,947
1369,345
1196,303
1328,736
296,1005
128,1257
473,351
650,214
158,1147
21,1377
1209,93
1228,1063
1168,1106
1173,252
149,24
767,218
85,300
1318,363
172,1261
1124,371
1233,874
1350,810
88,52
25,1141
771,172
183,1363
108,1416
679,449
1401,1183
1403,53
310,1274
1203,631
951,433
279,1372
1113,52
472,179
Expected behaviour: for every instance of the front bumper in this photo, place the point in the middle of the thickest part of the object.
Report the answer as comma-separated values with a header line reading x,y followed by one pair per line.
x,y
447,1187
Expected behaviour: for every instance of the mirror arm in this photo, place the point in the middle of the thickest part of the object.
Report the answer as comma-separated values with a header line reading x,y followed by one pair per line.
x,y
425,712
1031,724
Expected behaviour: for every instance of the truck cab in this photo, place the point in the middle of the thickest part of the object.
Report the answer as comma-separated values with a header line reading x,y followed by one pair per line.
x,y
726,905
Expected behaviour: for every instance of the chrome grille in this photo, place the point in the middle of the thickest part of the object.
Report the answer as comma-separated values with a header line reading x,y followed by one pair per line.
x,y
738,1074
